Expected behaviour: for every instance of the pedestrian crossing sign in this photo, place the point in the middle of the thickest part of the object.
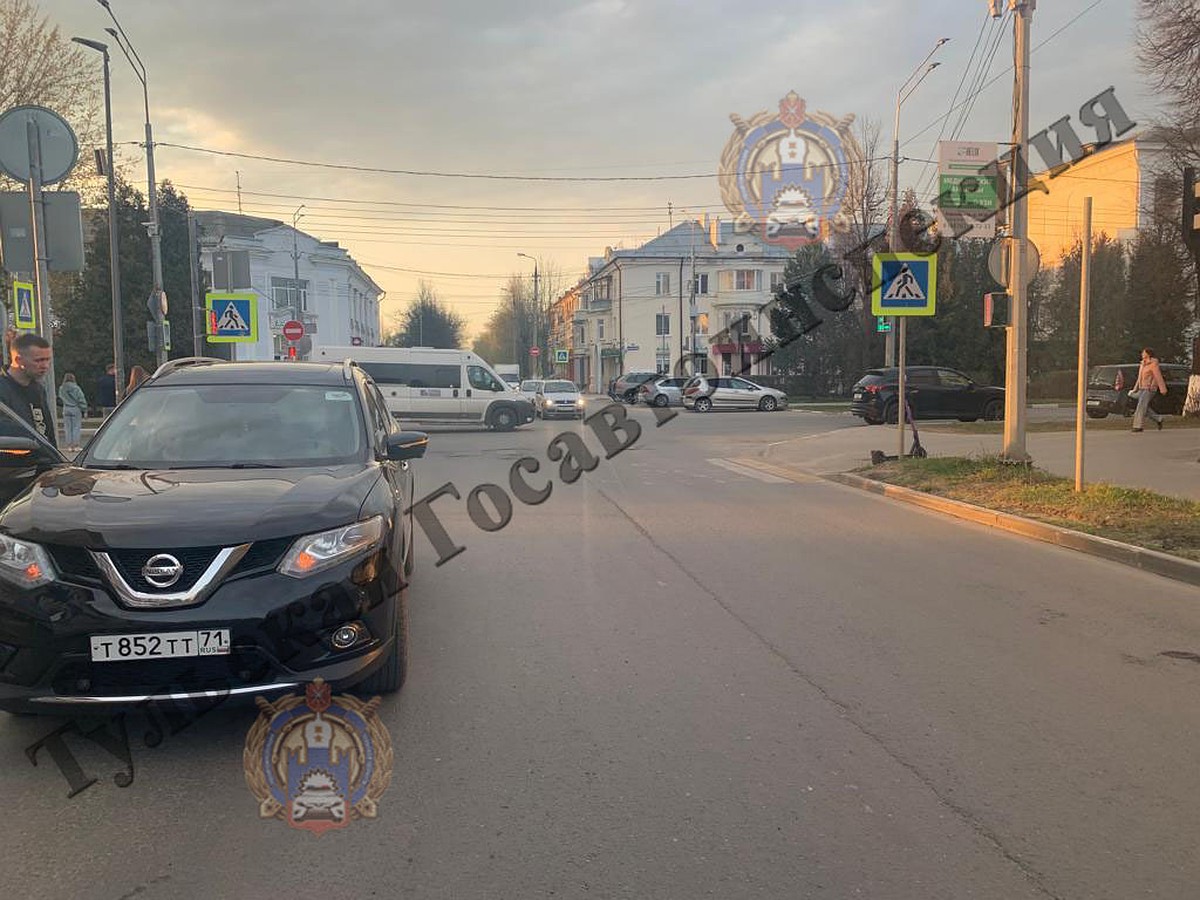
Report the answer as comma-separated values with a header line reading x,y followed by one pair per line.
x,y
232,318
24,307
905,284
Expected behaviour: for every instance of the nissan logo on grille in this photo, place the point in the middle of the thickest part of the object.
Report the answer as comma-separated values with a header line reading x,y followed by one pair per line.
x,y
162,570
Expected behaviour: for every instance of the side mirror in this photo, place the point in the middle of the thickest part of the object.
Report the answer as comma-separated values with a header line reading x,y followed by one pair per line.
x,y
406,445
24,453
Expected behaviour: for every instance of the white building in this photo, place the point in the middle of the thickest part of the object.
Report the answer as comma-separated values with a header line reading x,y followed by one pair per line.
x,y
333,297
636,308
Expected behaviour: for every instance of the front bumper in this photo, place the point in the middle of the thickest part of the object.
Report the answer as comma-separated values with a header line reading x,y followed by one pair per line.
x,y
562,411
279,635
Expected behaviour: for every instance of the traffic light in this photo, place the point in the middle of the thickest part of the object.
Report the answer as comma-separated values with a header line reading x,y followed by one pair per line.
x,y
1191,210
996,310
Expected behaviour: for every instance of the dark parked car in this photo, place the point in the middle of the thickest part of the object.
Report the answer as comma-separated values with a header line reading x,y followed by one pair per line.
x,y
933,393
1109,386
232,527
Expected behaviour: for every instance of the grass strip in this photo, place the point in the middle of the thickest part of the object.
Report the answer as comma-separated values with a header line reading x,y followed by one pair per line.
x,y
1131,515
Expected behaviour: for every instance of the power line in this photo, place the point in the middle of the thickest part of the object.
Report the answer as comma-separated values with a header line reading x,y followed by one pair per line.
x,y
1000,75
982,27
689,206
476,175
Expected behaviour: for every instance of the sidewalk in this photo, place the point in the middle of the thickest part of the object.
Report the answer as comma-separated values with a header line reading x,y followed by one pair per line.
x,y
1162,461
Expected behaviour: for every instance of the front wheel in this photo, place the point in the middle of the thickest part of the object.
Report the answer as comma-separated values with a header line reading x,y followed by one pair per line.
x,y
504,419
631,396
702,404
389,677
768,404
993,410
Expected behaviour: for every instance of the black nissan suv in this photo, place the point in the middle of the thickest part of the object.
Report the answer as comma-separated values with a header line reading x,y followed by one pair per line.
x,y
232,529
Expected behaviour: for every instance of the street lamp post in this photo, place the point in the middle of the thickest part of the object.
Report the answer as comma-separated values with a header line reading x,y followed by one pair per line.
x,y
536,309
894,229
114,258
903,94
158,298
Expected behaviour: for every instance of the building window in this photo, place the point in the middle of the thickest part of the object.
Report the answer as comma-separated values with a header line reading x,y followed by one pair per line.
x,y
701,323
747,280
662,363
600,329
662,324
287,293
662,283
701,364
700,285
776,281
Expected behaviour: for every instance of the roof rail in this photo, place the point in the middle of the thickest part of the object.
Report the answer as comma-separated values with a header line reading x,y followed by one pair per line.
x,y
172,364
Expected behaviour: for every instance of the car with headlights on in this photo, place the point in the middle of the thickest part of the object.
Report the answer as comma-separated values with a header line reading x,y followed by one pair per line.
x,y
240,528
559,399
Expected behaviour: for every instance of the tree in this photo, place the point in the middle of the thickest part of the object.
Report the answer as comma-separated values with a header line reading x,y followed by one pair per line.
x,y
1112,327
39,66
1169,52
1159,287
83,311
510,330
427,322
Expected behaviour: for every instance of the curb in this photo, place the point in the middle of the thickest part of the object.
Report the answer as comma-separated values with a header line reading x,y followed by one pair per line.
x,y
1115,551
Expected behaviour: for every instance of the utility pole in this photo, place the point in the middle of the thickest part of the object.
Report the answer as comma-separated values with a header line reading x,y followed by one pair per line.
x,y
239,190
1017,356
692,308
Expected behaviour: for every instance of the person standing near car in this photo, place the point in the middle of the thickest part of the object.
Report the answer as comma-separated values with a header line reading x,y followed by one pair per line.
x,y
1149,380
21,388
74,404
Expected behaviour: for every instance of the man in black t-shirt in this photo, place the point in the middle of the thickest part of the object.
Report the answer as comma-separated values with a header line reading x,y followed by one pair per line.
x,y
21,387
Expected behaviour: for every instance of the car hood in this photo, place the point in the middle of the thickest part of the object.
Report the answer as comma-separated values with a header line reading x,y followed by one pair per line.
x,y
187,507
561,395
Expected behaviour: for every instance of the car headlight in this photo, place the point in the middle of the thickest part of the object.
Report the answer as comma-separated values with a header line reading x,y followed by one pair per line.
x,y
548,401
579,402
24,564
316,552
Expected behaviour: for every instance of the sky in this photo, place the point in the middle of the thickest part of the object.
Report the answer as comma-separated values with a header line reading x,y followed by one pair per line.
x,y
563,90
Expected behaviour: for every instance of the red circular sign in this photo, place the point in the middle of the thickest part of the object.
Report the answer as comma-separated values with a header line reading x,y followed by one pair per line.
x,y
534,351
293,331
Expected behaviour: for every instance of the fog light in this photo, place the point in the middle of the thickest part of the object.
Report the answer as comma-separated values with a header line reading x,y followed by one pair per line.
x,y
347,636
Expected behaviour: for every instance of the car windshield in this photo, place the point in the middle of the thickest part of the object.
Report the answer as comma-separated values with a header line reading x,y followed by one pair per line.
x,y
531,387
560,387
219,425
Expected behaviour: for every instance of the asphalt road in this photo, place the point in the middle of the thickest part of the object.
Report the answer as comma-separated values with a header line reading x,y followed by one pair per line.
x,y
691,674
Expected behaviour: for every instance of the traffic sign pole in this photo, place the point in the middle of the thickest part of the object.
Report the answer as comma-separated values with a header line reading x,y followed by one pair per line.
x,y
1085,292
37,212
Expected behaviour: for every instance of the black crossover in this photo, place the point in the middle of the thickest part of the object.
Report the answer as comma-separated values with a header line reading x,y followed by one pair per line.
x,y
232,529
933,393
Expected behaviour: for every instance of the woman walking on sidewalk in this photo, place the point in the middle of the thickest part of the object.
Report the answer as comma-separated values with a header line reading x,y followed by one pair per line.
x,y
74,404
1149,380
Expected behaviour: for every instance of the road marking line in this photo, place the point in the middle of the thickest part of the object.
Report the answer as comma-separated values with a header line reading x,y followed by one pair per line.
x,y
749,472
787,474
